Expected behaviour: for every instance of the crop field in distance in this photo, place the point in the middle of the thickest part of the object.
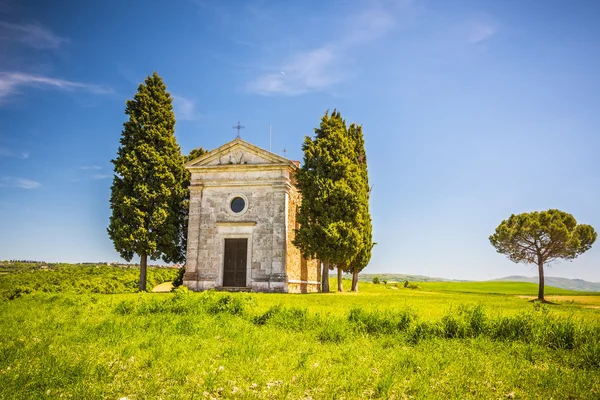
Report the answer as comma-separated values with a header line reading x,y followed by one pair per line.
x,y
66,334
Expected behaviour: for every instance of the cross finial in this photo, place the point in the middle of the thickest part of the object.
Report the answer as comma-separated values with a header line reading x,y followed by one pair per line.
x,y
238,127
284,151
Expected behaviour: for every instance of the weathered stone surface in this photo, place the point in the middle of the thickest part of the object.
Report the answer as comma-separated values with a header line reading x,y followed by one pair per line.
x,y
302,274
265,181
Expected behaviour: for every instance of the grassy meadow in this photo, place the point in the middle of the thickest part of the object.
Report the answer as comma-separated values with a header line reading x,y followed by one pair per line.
x,y
451,341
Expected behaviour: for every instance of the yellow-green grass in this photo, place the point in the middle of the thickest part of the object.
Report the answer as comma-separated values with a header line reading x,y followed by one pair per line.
x,y
164,345
498,287
428,302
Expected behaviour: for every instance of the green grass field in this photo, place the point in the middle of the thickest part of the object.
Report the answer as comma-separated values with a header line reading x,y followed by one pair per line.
x,y
499,287
448,341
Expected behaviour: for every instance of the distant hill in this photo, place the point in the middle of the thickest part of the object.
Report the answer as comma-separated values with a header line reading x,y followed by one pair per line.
x,y
400,278
563,283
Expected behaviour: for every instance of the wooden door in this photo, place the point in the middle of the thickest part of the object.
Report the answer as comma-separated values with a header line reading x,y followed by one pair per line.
x,y
234,270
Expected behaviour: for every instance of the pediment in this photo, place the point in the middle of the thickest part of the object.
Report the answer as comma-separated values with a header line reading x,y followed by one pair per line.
x,y
237,152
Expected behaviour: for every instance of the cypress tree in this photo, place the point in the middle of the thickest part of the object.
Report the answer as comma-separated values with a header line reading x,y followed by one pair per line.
x,y
363,255
327,181
148,193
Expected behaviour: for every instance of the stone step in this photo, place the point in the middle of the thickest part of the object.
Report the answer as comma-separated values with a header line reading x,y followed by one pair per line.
x,y
233,289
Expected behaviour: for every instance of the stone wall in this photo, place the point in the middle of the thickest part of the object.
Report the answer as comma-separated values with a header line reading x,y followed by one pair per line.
x,y
262,224
266,182
303,276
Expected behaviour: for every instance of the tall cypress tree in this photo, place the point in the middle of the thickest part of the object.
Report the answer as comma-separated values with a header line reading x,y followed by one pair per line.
x,y
363,255
327,180
148,193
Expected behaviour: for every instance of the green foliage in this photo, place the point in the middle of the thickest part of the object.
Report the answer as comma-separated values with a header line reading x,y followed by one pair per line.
x,y
148,193
382,343
412,286
542,237
375,322
363,255
333,216
376,280
195,153
183,303
406,283
78,279
332,332
292,318
178,281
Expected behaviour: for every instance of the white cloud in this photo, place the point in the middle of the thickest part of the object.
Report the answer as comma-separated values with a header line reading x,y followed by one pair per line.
x,y
100,176
15,154
304,72
368,25
331,63
21,183
10,82
34,35
480,32
91,167
185,109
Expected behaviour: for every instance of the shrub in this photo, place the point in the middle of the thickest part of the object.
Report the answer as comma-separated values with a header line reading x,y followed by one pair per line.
x,y
453,327
333,331
413,286
423,330
292,318
589,355
178,281
406,283
376,280
518,327
125,307
476,318
556,334
15,292
374,322
235,305
79,279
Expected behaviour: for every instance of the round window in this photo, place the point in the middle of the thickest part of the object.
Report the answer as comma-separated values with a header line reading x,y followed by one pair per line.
x,y
237,205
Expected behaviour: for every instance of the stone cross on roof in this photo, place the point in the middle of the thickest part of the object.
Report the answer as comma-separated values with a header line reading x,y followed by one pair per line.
x,y
238,127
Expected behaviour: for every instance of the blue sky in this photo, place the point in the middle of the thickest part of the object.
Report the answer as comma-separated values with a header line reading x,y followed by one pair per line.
x,y
471,110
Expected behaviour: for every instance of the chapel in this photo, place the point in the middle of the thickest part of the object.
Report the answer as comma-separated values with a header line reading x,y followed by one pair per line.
x,y
242,221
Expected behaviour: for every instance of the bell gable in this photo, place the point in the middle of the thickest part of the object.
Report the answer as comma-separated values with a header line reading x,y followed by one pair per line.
x,y
238,152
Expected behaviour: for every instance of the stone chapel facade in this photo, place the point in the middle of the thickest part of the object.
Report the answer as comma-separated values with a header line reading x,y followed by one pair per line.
x,y
242,220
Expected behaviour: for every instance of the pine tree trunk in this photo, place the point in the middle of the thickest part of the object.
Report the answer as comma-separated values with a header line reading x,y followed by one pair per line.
x,y
541,286
355,280
339,279
143,268
325,277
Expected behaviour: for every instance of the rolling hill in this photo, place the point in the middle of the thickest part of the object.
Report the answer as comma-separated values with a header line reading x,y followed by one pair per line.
x,y
562,283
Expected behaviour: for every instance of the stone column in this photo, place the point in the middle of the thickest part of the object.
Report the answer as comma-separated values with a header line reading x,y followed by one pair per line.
x,y
277,281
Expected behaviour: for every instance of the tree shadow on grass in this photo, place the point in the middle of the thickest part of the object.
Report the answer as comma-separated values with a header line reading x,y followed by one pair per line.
x,y
543,302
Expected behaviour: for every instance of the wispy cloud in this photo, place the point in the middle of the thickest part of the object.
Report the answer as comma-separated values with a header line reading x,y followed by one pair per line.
x,y
100,176
323,66
10,82
90,167
15,154
185,109
481,31
33,35
21,183
303,72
